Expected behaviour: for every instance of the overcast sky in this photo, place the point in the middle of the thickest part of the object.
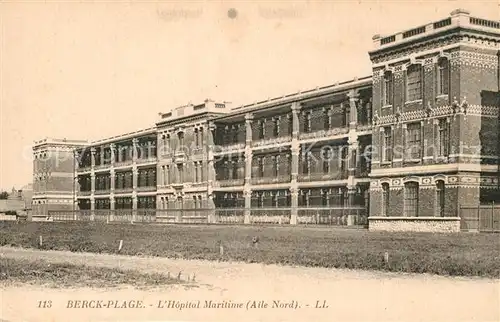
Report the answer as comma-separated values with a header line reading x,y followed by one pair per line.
x,y
89,71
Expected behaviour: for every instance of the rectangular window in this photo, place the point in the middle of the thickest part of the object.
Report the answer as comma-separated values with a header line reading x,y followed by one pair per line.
x,y
261,129
326,161
411,199
443,77
387,89
385,199
327,119
276,126
414,83
387,145
261,167
442,138
413,141
307,123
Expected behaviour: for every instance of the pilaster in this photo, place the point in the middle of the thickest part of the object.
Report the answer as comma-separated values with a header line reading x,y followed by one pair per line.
x,y
248,204
248,160
294,196
353,96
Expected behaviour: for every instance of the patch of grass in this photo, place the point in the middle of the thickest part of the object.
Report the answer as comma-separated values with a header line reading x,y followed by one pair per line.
x,y
65,275
458,254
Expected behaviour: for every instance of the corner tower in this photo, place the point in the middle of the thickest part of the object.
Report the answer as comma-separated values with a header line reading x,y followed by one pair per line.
x,y
435,102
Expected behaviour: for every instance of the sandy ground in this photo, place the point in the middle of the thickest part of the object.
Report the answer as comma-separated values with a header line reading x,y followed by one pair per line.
x,y
348,295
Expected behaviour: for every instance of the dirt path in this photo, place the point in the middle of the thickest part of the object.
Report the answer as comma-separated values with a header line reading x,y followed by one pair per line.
x,y
349,295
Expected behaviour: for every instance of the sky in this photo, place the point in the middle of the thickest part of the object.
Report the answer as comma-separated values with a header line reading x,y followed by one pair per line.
x,y
97,69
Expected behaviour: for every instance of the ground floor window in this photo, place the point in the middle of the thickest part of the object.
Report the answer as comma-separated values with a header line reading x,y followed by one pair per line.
x,y
411,199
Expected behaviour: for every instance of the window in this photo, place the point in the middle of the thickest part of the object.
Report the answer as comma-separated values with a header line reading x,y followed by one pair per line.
x,y
387,145
306,167
326,161
276,126
442,138
180,168
440,193
414,83
385,199
195,166
324,197
260,161
347,115
387,89
443,76
261,129
411,199
413,143
307,121
196,138
327,118
234,169
180,135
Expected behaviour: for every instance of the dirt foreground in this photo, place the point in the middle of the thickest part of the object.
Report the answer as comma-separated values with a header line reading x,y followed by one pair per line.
x,y
256,292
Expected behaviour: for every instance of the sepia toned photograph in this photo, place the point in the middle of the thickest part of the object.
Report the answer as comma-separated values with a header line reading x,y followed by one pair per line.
x,y
249,161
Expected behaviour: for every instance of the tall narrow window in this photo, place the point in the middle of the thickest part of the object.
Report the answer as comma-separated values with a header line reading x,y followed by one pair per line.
x,y
387,144
387,89
440,198
307,121
325,156
327,118
414,83
306,169
262,129
413,143
196,138
411,199
347,115
180,135
385,199
276,126
324,197
195,166
261,167
443,76
442,137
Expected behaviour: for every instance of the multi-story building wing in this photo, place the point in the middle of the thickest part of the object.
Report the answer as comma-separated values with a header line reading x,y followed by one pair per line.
x,y
298,151
413,142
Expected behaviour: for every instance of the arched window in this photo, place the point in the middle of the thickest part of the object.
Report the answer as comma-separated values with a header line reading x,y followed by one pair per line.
x,y
414,83
443,76
440,198
385,199
387,89
411,199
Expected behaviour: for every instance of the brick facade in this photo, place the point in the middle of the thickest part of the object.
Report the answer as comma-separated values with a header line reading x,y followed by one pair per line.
x,y
428,115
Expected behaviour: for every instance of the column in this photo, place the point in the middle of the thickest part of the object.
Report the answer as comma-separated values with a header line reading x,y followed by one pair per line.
x,y
134,150
247,194
111,206
295,150
210,162
112,148
294,196
92,208
247,189
134,206
352,155
92,157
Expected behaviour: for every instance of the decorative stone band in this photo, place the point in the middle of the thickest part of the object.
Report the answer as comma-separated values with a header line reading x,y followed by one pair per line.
x,y
420,115
417,224
429,182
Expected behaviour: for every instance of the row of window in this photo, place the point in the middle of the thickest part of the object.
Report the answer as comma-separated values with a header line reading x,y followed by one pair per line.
x,y
414,82
413,141
411,195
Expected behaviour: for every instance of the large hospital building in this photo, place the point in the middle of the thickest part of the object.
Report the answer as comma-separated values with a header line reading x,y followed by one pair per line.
x,y
407,146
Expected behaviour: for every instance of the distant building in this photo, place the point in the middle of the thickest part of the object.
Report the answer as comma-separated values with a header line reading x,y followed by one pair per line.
x,y
417,139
